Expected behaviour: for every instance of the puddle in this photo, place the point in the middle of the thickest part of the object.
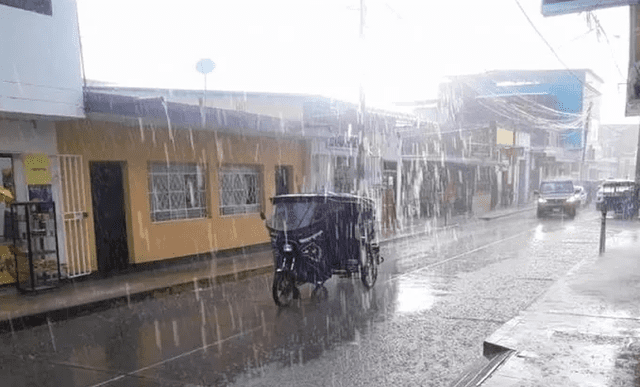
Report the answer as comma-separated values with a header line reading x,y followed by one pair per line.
x,y
417,294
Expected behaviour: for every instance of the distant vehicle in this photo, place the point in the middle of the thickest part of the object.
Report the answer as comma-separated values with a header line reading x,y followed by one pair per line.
x,y
581,194
557,197
619,197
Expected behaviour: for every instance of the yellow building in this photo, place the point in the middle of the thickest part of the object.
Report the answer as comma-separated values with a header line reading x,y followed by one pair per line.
x,y
145,180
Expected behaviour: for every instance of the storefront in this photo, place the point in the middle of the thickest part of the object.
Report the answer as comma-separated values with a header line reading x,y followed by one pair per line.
x,y
30,172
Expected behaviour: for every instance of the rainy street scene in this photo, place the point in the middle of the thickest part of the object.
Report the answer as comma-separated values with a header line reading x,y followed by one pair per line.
x,y
319,193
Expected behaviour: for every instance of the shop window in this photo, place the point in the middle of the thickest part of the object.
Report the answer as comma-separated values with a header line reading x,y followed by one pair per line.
x,y
177,191
240,190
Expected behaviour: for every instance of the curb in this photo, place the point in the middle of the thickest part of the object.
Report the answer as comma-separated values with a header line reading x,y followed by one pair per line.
x,y
483,369
504,215
9,323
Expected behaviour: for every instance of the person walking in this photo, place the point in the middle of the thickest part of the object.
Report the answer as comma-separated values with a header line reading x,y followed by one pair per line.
x,y
389,207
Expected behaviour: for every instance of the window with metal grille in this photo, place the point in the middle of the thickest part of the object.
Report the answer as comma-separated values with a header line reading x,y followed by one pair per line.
x,y
240,190
177,191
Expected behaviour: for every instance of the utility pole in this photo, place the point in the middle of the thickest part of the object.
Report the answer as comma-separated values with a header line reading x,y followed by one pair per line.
x,y
586,134
638,160
363,111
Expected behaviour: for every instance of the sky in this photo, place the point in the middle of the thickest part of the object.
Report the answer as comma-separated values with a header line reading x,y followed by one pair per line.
x,y
315,47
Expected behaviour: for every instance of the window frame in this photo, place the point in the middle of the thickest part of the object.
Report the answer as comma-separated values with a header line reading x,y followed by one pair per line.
x,y
238,209
182,169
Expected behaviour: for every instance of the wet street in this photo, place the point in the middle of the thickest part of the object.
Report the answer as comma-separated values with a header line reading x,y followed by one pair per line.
x,y
437,298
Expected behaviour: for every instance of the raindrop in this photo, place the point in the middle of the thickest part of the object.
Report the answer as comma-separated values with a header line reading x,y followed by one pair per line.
x,y
219,339
166,112
233,321
141,129
13,332
53,340
202,314
196,288
204,338
191,140
176,338
356,339
233,261
264,324
255,355
157,328
166,154
126,286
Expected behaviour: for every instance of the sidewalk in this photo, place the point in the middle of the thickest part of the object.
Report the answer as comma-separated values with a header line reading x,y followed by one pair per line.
x,y
584,331
18,310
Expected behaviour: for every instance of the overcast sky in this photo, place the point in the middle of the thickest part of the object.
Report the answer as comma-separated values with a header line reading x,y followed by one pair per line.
x,y
313,46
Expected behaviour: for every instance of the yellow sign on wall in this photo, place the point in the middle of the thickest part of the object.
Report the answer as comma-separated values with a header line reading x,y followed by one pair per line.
x,y
37,169
504,137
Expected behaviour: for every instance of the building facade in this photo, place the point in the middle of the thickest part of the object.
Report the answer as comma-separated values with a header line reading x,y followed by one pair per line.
x,y
530,125
40,84
159,186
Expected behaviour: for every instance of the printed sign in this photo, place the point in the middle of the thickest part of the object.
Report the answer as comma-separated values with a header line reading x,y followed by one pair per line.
x,y
37,169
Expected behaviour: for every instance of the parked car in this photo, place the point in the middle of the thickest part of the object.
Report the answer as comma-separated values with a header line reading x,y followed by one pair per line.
x,y
557,197
581,194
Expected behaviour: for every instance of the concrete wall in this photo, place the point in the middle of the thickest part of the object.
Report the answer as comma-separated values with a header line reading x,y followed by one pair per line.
x,y
32,136
153,241
40,70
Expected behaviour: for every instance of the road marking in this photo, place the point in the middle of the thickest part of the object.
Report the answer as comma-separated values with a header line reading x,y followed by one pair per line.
x,y
501,322
174,358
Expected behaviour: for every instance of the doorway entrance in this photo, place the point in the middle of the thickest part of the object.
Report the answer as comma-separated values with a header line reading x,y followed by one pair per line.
x,y
109,219
284,180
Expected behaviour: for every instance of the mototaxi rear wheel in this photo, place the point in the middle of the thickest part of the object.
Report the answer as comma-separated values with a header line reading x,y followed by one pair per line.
x,y
283,289
369,269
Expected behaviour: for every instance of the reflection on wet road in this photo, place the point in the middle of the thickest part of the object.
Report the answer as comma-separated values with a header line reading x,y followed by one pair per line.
x,y
436,298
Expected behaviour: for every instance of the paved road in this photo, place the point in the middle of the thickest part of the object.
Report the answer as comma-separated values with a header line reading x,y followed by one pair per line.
x,y
436,300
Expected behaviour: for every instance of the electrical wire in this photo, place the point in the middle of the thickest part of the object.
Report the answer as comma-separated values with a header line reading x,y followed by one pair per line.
x,y
606,37
517,109
551,48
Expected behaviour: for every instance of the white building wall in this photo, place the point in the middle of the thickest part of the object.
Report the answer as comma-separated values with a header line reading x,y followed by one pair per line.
x,y
40,61
32,136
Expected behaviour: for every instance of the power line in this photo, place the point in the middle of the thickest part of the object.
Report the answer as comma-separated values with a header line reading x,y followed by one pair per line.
x,y
551,48
606,37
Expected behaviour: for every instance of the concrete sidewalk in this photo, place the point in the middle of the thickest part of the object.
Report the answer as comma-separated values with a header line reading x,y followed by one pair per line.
x,y
584,331
72,298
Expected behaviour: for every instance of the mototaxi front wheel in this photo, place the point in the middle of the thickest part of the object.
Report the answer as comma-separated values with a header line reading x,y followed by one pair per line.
x,y
283,289
369,269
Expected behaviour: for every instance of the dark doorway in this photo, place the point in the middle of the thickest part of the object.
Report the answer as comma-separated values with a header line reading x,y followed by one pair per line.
x,y
107,194
284,180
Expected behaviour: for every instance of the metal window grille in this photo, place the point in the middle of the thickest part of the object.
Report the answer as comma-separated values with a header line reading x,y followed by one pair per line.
x,y
240,190
177,191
